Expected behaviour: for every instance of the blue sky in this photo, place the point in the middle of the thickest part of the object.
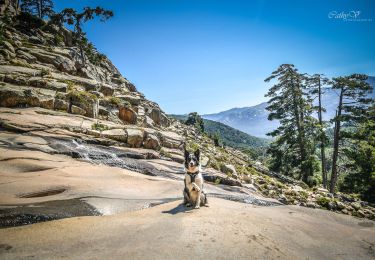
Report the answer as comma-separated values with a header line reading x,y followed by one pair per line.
x,y
209,56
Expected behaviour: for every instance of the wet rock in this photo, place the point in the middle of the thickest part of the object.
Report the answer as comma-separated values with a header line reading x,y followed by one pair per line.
x,y
151,142
127,115
115,134
135,137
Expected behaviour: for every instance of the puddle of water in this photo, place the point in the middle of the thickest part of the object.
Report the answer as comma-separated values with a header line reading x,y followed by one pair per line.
x,y
45,193
44,211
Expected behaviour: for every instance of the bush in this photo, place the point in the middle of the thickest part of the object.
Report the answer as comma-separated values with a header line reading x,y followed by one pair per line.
x,y
27,21
99,127
323,201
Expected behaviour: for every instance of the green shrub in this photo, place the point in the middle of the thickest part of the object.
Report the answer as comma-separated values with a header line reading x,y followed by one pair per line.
x,y
99,127
58,39
27,22
81,97
323,201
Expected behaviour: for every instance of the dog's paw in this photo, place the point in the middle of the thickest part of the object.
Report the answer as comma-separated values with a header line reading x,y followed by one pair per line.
x,y
196,187
196,207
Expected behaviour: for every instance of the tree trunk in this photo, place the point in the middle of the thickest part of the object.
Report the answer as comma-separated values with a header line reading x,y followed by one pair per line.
x,y
300,130
322,139
336,141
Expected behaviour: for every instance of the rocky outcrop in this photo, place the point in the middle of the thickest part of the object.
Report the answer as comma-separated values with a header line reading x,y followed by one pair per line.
x,y
46,59
127,115
135,137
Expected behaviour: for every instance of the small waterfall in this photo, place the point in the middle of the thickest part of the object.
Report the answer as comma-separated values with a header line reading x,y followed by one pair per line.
x,y
96,154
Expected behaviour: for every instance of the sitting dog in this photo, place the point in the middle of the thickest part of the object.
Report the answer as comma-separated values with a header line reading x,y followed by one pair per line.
x,y
193,191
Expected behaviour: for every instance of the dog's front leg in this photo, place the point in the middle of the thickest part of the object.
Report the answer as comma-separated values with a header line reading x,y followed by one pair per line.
x,y
198,202
196,187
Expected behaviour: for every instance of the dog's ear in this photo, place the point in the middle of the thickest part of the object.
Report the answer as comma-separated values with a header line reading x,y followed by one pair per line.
x,y
197,153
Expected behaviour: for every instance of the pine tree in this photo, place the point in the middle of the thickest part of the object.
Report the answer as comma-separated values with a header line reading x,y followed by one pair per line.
x,y
40,8
196,120
72,17
316,83
351,110
361,159
291,105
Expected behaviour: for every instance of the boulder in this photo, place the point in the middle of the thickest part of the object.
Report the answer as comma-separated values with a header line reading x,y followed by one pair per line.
x,y
311,204
133,100
103,111
356,205
115,134
86,101
151,142
106,89
217,177
171,139
61,105
77,110
340,205
164,120
155,115
135,137
64,64
229,170
148,122
127,115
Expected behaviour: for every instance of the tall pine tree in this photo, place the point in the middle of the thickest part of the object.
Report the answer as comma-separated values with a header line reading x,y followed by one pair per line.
x,y
316,83
291,105
351,110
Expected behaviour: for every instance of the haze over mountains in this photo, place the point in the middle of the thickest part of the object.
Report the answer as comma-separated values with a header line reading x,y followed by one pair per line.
x,y
253,120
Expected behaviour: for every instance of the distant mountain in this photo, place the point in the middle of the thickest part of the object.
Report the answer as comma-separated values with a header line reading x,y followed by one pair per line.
x,y
232,137
253,120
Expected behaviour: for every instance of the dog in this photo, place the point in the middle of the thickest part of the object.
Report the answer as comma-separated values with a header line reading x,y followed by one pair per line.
x,y
193,191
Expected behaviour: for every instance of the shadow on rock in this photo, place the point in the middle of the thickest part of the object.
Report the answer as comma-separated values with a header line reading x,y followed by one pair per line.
x,y
181,208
